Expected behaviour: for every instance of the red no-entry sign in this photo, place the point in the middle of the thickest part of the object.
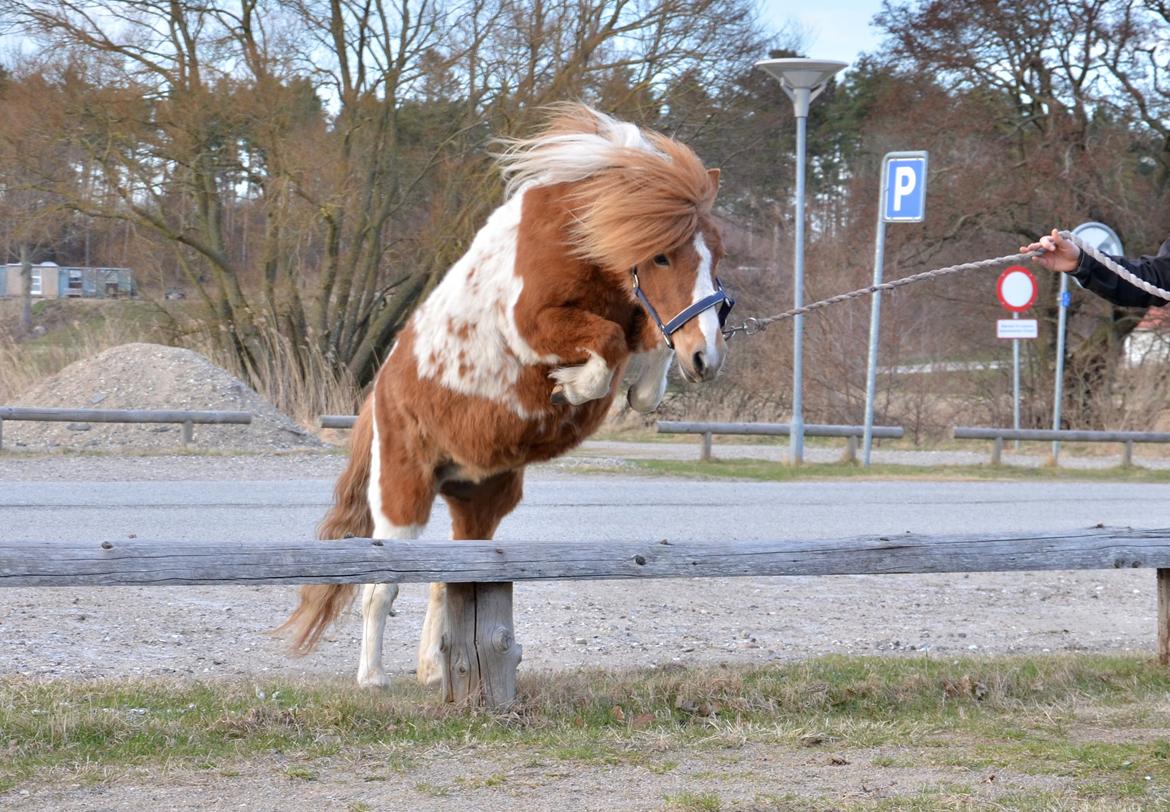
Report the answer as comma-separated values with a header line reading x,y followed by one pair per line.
x,y
1016,289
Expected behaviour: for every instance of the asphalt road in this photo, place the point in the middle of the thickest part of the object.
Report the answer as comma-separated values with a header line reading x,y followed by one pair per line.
x,y
213,632
560,507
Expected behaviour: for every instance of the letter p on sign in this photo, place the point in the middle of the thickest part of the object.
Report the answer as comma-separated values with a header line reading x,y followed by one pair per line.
x,y
904,187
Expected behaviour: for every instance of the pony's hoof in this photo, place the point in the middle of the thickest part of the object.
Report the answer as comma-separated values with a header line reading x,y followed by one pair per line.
x,y
429,675
638,406
583,383
377,681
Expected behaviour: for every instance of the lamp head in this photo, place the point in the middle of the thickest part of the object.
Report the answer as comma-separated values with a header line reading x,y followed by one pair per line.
x,y
801,73
802,79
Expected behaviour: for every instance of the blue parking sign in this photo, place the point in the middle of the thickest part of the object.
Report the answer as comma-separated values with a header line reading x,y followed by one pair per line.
x,y
904,187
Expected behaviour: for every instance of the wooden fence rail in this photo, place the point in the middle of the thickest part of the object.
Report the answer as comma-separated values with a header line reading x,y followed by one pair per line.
x,y
488,568
999,435
187,418
709,430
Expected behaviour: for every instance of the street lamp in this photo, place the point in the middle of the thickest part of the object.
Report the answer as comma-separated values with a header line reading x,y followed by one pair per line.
x,y
802,81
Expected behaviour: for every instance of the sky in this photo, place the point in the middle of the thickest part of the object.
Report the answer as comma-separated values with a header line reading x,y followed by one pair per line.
x,y
833,29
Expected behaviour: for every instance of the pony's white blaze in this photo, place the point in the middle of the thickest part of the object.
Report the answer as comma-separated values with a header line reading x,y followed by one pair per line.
x,y
378,599
465,333
705,286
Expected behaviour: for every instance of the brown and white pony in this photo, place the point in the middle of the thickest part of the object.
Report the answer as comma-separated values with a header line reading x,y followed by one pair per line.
x,y
517,354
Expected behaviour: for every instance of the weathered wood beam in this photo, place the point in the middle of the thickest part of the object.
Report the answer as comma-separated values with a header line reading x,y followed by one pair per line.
x,y
480,652
142,562
1163,587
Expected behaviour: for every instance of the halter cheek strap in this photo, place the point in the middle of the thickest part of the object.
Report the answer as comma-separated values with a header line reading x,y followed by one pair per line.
x,y
719,299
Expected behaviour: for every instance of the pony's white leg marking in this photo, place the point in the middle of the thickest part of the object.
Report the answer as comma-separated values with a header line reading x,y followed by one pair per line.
x,y
430,643
378,599
583,383
647,390
705,286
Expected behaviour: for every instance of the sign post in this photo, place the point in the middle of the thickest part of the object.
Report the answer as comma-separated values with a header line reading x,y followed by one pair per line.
x,y
1016,291
1104,239
902,200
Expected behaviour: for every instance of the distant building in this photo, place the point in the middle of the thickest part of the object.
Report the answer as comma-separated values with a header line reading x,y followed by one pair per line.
x,y
1149,342
52,281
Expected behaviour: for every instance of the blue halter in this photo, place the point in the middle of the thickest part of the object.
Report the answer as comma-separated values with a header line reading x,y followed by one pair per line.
x,y
719,298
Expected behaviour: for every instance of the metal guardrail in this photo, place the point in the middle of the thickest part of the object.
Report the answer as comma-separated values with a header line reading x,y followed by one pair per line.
x,y
708,430
999,435
186,418
337,421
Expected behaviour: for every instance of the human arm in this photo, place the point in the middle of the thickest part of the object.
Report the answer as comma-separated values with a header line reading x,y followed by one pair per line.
x,y
1064,256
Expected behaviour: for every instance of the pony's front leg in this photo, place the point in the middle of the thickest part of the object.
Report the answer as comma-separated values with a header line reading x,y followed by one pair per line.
x,y
648,388
430,643
476,510
581,384
590,348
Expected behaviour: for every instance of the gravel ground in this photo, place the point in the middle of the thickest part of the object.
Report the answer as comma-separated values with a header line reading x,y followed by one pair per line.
x,y
209,633
222,631
474,779
151,376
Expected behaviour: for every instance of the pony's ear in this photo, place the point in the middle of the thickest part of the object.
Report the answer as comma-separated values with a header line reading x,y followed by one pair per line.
x,y
713,176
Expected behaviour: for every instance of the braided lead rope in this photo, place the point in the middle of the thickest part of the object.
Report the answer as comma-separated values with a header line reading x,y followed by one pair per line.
x,y
1124,273
753,326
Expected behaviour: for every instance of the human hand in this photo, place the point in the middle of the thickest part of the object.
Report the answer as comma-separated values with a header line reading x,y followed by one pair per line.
x,y
1060,255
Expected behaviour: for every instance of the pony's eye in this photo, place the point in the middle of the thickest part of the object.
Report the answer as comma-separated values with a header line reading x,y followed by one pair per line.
x,y
662,261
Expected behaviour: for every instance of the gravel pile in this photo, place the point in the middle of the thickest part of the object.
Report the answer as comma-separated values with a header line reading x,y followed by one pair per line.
x,y
151,376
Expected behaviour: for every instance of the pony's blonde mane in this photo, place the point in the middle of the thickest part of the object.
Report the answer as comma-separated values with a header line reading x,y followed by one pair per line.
x,y
636,192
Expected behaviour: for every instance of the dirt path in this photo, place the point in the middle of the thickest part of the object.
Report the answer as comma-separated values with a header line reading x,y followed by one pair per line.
x,y
721,774
209,633
221,632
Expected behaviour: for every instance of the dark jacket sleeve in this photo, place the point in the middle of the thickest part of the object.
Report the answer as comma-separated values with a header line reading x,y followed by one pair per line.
x,y
1108,285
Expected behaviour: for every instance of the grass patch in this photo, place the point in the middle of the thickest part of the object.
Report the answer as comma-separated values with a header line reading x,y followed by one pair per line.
x,y
1066,717
767,471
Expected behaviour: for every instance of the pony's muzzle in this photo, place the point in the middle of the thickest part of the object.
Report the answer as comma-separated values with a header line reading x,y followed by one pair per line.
x,y
701,366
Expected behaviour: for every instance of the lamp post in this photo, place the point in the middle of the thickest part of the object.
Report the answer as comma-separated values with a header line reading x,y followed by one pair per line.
x,y
802,81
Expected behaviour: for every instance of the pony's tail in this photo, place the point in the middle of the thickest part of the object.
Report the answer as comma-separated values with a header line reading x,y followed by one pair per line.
x,y
321,604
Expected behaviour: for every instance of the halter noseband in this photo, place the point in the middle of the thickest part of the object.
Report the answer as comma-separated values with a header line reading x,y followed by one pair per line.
x,y
719,299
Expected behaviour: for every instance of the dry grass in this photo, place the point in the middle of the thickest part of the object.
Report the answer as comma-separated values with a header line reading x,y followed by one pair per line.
x,y
299,380
1097,724
76,330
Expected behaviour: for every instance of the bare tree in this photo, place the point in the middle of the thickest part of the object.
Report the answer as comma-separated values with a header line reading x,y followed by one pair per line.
x,y
316,166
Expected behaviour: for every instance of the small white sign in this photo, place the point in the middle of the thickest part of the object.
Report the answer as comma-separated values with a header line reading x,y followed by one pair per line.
x,y
1017,328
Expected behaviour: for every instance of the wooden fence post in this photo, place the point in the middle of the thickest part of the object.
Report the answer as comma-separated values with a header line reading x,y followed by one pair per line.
x,y
1164,616
480,652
